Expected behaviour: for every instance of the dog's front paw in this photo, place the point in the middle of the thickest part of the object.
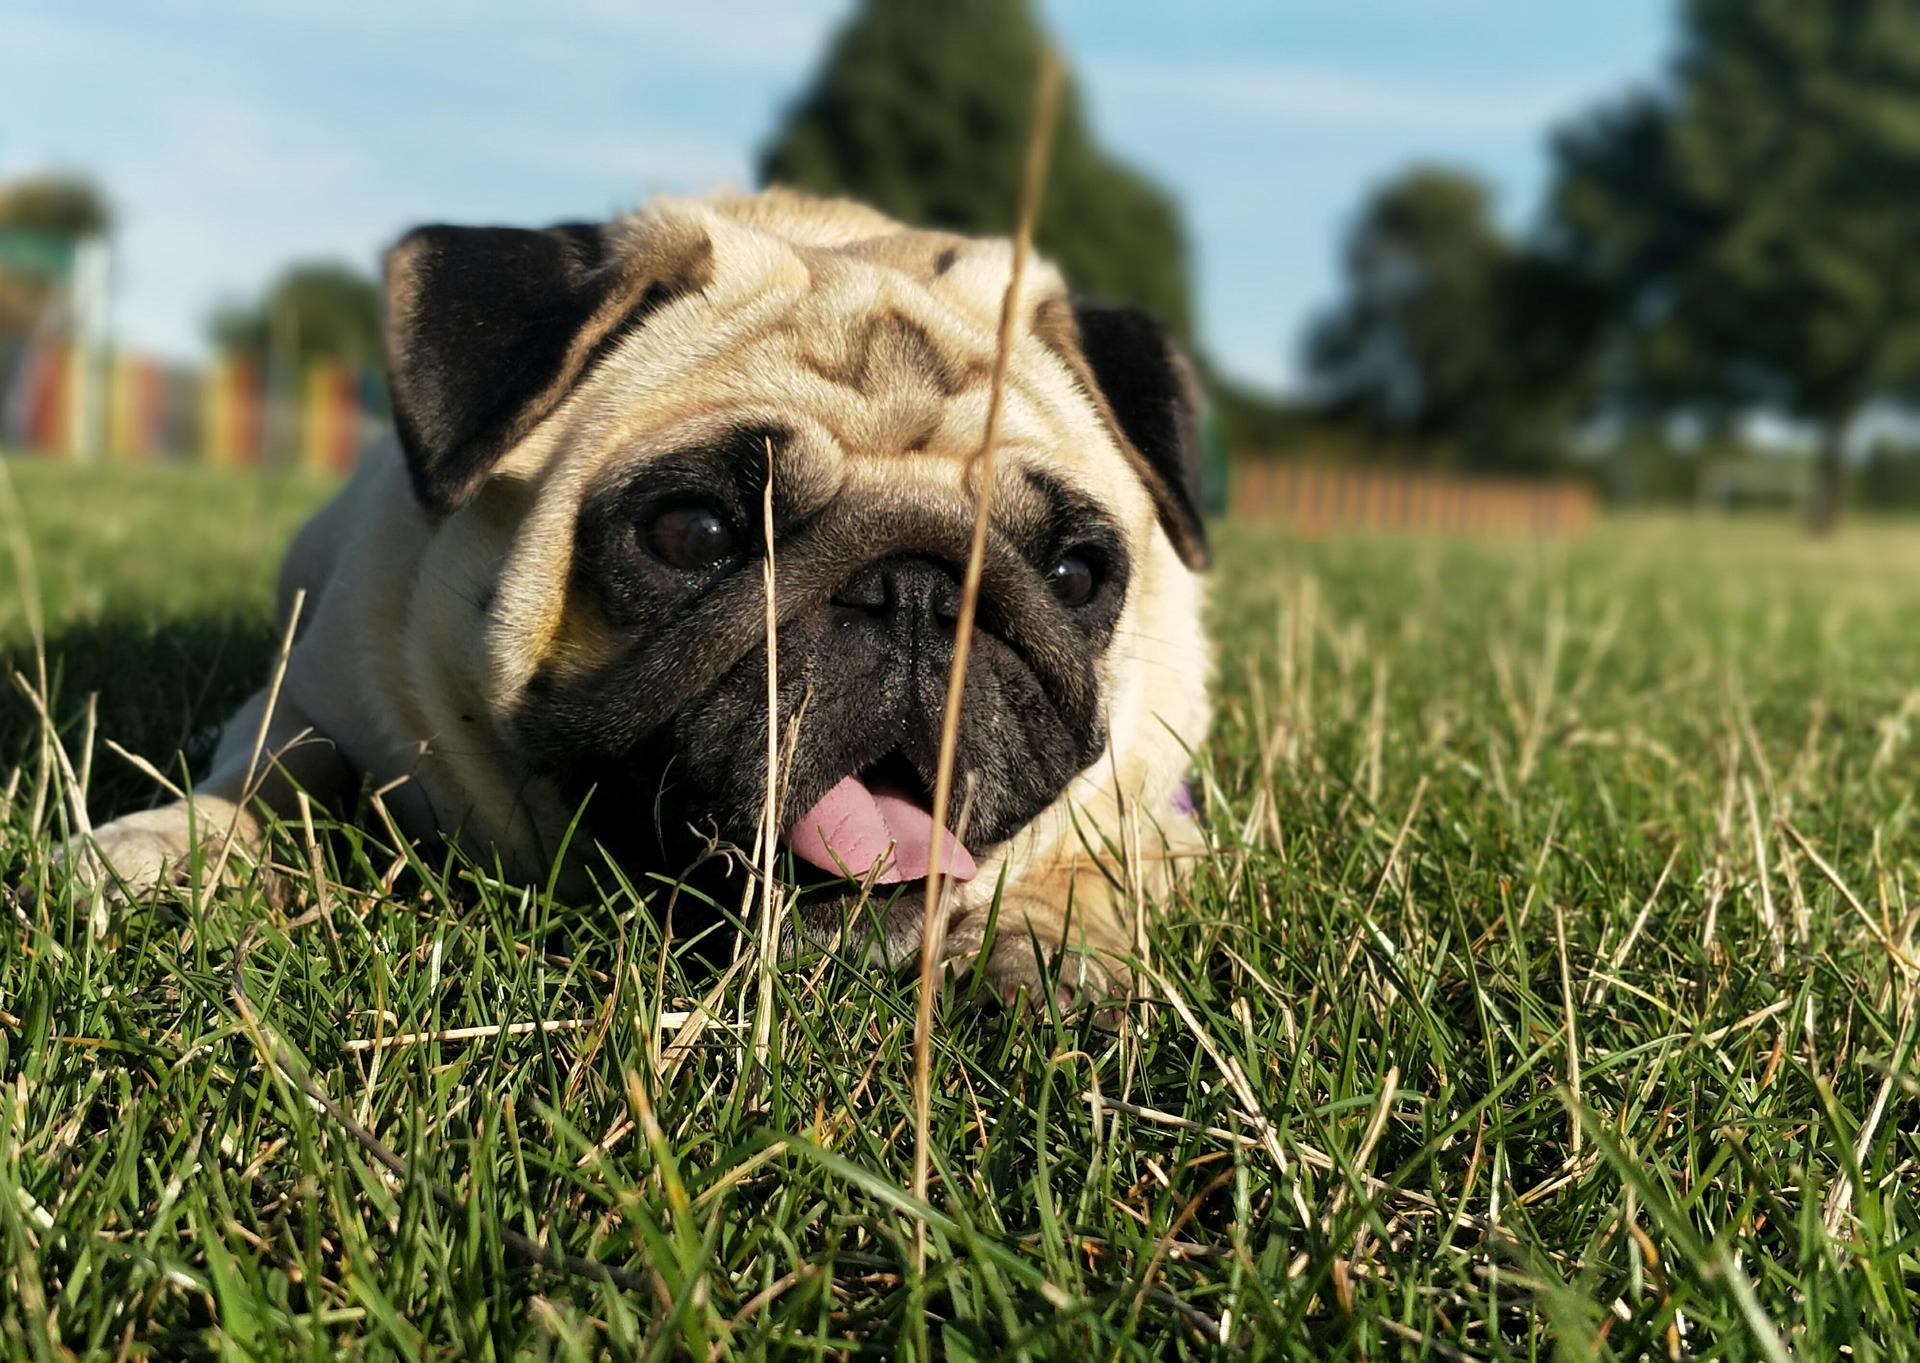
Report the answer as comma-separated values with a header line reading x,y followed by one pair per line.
x,y
1077,978
132,855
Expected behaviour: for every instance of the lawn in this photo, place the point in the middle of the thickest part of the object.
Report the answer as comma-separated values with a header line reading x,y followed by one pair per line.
x,y
1551,994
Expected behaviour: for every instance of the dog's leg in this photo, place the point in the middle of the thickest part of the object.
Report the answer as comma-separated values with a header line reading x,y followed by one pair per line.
x,y
253,774
1071,922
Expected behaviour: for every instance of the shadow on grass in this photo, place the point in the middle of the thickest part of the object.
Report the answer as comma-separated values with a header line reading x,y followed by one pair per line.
x,y
163,688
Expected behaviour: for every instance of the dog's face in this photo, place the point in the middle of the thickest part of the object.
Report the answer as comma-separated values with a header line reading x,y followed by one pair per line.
x,y
602,420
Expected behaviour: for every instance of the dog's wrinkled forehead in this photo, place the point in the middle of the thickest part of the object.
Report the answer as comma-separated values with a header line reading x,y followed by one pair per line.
x,y
881,351
548,354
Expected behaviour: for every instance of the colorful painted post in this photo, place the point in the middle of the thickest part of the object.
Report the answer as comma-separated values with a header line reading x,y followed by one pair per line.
x,y
130,408
78,369
234,427
50,403
329,418
217,425
186,435
344,451
252,405
315,415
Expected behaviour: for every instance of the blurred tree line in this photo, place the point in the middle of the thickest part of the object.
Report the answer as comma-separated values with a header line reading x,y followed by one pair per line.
x,y
1739,239
1453,342
1734,240
312,310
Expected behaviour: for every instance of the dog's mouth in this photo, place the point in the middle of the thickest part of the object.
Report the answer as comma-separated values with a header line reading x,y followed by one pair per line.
x,y
877,825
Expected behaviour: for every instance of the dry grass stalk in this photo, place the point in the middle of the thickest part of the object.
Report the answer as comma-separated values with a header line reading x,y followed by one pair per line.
x,y
1534,729
27,574
289,1072
769,934
76,795
669,1018
146,769
255,776
1769,919
1877,930
1229,1068
1369,1139
88,734
933,923
1597,983
316,868
1840,1199
1572,1020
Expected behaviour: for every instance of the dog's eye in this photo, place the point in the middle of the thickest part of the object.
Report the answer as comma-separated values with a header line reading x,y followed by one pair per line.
x,y
690,538
1072,580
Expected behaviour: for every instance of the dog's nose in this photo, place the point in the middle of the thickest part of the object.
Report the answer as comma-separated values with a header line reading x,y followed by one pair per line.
x,y
903,591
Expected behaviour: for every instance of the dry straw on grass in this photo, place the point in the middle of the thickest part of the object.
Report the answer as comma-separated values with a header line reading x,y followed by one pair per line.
x,y
769,934
933,924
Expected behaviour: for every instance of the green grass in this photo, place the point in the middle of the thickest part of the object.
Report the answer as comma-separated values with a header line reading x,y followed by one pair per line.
x,y
1446,781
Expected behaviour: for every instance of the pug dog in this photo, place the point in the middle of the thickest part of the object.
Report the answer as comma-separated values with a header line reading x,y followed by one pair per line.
x,y
538,627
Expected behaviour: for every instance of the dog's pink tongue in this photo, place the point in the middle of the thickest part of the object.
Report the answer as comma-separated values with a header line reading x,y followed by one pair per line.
x,y
853,825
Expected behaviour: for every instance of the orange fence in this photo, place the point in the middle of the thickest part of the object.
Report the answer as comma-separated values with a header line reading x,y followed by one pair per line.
x,y
57,401
1320,497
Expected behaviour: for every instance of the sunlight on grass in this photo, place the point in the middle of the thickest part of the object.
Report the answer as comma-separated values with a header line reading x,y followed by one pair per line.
x,y
1462,793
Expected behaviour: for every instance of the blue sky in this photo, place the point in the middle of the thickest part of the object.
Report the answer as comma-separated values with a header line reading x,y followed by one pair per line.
x,y
235,135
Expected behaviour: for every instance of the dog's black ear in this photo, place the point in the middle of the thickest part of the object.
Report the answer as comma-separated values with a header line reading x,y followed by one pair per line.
x,y
1150,393
488,328
479,323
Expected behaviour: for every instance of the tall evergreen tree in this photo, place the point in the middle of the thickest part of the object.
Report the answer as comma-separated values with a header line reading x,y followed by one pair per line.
x,y
1754,220
923,110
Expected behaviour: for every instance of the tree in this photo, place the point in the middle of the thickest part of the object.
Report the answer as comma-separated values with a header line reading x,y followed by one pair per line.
x,y
923,110
43,218
315,310
56,204
1752,222
1451,338
1408,348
